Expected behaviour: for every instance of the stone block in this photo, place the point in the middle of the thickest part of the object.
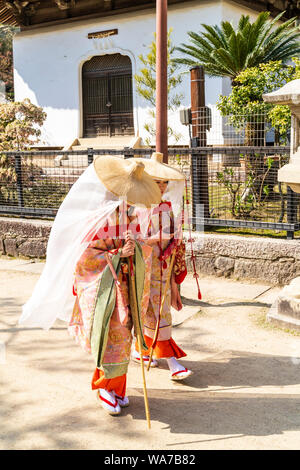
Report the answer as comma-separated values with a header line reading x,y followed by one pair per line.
x,y
224,266
266,270
204,264
288,306
10,246
26,228
285,312
33,249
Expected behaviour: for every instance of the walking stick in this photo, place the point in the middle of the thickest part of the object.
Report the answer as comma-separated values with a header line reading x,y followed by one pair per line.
x,y
134,313
161,307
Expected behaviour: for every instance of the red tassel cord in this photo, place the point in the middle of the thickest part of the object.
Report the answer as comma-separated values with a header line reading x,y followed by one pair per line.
x,y
195,274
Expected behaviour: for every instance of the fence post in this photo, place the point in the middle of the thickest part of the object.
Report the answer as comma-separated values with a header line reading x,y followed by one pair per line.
x,y
18,168
196,185
126,153
200,188
90,155
291,211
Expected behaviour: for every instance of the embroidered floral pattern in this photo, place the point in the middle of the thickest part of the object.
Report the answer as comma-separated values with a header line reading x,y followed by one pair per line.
x,y
88,275
179,268
157,286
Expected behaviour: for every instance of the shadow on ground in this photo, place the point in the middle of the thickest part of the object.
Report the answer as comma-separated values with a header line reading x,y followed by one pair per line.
x,y
220,414
240,369
246,303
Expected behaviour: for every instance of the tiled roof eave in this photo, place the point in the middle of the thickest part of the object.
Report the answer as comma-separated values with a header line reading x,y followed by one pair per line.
x,y
6,17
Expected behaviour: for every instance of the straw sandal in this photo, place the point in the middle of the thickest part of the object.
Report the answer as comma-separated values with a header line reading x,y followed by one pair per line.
x,y
123,402
181,374
109,402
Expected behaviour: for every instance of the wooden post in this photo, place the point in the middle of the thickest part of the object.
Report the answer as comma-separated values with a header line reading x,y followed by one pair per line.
x,y
199,161
162,78
198,104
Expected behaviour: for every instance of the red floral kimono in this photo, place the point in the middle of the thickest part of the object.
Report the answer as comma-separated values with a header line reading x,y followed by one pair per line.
x,y
88,274
161,256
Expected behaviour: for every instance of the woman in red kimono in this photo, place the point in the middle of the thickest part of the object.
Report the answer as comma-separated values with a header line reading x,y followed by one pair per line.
x,y
165,239
85,279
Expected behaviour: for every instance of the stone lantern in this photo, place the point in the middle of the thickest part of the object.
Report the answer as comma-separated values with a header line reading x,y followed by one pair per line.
x,y
289,95
285,310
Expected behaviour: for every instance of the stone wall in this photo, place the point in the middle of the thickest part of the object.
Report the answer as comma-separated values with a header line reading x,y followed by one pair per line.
x,y
24,237
251,258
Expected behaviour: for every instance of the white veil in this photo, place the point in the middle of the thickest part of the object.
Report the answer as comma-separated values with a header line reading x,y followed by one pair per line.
x,y
174,194
84,211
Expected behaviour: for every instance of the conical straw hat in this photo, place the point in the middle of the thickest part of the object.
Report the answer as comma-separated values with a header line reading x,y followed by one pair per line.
x,y
155,167
127,180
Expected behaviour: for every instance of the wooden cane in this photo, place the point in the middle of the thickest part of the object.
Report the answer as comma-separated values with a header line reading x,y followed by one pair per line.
x,y
134,313
161,307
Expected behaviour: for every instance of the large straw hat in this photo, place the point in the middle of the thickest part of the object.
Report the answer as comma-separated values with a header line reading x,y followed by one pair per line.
x,y
155,167
127,179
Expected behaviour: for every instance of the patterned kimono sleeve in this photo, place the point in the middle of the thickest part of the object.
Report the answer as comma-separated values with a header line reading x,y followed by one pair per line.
x,y
91,262
180,269
87,274
85,271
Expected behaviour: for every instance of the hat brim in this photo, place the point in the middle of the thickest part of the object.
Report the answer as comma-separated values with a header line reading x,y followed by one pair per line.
x,y
127,180
161,171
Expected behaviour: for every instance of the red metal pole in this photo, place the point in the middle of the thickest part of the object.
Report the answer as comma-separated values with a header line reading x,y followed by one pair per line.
x,y
162,78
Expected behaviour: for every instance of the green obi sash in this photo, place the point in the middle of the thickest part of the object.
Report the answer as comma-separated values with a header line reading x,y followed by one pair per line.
x,y
104,307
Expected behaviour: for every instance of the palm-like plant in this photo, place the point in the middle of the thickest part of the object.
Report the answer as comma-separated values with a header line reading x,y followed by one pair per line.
x,y
225,51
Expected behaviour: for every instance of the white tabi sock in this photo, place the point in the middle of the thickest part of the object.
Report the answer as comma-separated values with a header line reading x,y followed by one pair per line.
x,y
136,355
174,366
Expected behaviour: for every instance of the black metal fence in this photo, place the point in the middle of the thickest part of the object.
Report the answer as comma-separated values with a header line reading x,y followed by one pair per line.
x,y
227,186
238,187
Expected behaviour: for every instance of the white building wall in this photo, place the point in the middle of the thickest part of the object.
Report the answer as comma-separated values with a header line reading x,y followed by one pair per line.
x,y
48,63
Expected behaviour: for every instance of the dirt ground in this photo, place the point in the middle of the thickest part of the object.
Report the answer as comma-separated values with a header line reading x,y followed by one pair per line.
x,y
244,393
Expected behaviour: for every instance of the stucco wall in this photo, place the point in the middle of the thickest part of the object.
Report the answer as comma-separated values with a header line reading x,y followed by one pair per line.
x,y
48,64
